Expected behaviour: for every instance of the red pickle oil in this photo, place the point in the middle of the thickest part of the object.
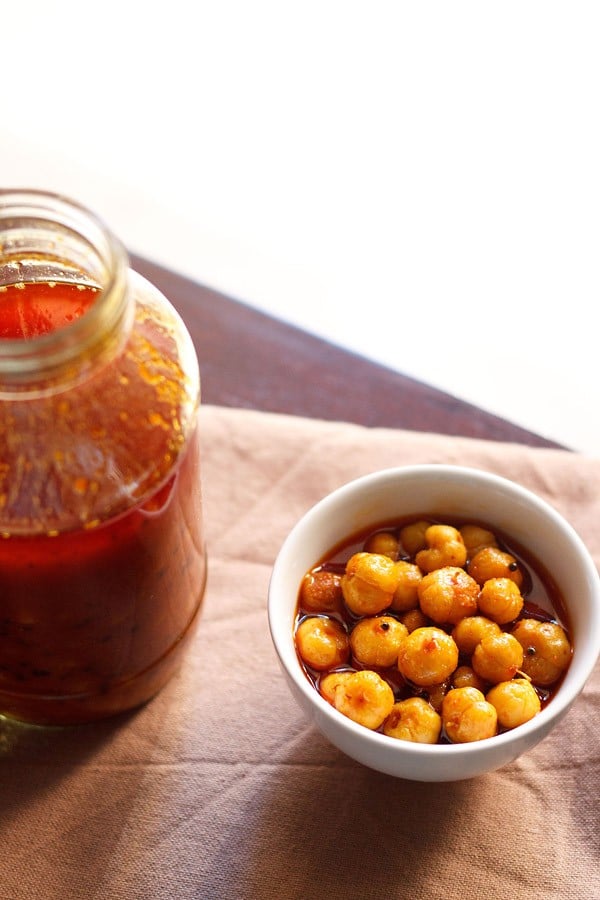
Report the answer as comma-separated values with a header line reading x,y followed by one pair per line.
x,y
102,559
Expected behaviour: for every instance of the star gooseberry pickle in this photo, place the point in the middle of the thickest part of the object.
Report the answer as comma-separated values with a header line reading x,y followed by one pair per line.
x,y
464,657
102,559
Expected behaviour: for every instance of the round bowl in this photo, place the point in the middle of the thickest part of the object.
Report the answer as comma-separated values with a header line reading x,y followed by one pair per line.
x,y
462,493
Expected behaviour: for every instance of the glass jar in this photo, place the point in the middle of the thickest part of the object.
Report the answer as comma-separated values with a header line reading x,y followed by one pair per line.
x,y
102,558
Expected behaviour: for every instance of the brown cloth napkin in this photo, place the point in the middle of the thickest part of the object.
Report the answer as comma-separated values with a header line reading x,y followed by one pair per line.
x,y
219,788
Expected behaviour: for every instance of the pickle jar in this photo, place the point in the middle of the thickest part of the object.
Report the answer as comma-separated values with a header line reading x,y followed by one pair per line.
x,y
102,557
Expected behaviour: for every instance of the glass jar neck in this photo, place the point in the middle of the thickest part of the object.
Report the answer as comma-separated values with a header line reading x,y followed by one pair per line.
x,y
45,238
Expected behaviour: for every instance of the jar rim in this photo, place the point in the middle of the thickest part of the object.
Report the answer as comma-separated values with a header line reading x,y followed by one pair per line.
x,y
76,230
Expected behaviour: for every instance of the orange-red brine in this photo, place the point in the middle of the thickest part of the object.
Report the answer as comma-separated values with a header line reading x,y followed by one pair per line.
x,y
102,564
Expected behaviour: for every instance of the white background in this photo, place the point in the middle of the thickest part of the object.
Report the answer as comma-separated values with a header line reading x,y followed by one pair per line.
x,y
418,182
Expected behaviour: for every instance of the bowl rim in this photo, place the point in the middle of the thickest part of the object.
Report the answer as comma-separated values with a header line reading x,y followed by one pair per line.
x,y
281,640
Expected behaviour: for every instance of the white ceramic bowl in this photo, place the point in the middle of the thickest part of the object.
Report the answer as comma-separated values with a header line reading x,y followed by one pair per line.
x,y
438,490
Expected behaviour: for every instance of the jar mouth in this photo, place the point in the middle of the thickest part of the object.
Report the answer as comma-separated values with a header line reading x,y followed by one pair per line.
x,y
45,237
